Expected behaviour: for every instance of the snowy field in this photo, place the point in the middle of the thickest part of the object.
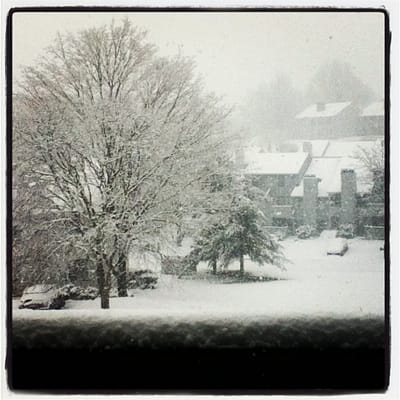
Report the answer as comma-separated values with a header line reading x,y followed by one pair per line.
x,y
318,300
312,284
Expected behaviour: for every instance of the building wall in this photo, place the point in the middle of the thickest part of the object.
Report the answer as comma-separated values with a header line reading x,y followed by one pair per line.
x,y
348,196
279,187
347,123
372,126
310,200
321,212
327,212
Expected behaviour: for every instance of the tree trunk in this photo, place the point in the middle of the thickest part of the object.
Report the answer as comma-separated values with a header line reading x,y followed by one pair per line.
x,y
105,299
241,261
214,266
122,277
179,237
194,267
103,281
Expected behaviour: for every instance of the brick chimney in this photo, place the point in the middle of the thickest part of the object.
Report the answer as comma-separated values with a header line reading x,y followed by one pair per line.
x,y
310,199
348,196
320,106
307,148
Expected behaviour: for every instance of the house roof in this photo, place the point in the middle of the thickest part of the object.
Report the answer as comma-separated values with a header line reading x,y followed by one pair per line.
x,y
273,163
328,170
344,148
318,146
330,110
375,109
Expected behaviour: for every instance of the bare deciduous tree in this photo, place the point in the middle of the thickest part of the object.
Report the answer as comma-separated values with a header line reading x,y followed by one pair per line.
x,y
125,141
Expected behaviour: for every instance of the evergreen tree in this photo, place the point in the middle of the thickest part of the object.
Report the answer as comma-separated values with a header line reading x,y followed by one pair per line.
x,y
240,231
245,234
208,246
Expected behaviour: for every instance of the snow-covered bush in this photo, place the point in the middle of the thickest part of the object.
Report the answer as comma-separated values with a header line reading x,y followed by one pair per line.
x,y
72,292
234,276
172,265
346,231
305,231
142,279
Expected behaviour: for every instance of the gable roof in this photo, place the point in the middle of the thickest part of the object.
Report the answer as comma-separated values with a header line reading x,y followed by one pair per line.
x,y
273,163
375,109
330,110
348,148
328,170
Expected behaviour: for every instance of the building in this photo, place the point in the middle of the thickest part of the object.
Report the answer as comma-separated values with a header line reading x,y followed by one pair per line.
x,y
277,174
327,121
372,120
346,147
316,148
323,184
339,120
329,193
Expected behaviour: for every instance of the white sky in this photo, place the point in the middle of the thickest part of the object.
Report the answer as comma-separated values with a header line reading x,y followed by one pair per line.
x,y
234,52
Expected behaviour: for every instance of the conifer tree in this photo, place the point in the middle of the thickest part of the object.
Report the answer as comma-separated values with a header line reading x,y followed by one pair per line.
x,y
240,231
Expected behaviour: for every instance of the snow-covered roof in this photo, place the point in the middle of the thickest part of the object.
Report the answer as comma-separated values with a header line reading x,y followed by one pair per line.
x,y
318,146
328,110
273,163
343,148
375,109
328,170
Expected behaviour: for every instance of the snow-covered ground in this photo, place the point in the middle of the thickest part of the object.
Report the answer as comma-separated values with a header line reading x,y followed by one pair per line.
x,y
313,284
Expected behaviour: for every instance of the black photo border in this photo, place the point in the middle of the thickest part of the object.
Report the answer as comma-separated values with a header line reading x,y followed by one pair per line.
x,y
198,363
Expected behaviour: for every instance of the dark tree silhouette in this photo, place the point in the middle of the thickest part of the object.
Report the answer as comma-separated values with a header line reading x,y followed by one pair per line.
x,y
335,82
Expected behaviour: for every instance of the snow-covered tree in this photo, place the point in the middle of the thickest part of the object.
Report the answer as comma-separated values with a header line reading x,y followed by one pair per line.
x,y
237,232
208,245
373,160
36,254
125,140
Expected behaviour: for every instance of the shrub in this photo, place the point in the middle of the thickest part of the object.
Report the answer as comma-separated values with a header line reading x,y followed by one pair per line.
x,y
346,231
142,279
72,292
172,265
305,231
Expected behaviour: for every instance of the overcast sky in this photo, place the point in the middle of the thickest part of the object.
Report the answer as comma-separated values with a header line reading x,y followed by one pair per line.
x,y
234,52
